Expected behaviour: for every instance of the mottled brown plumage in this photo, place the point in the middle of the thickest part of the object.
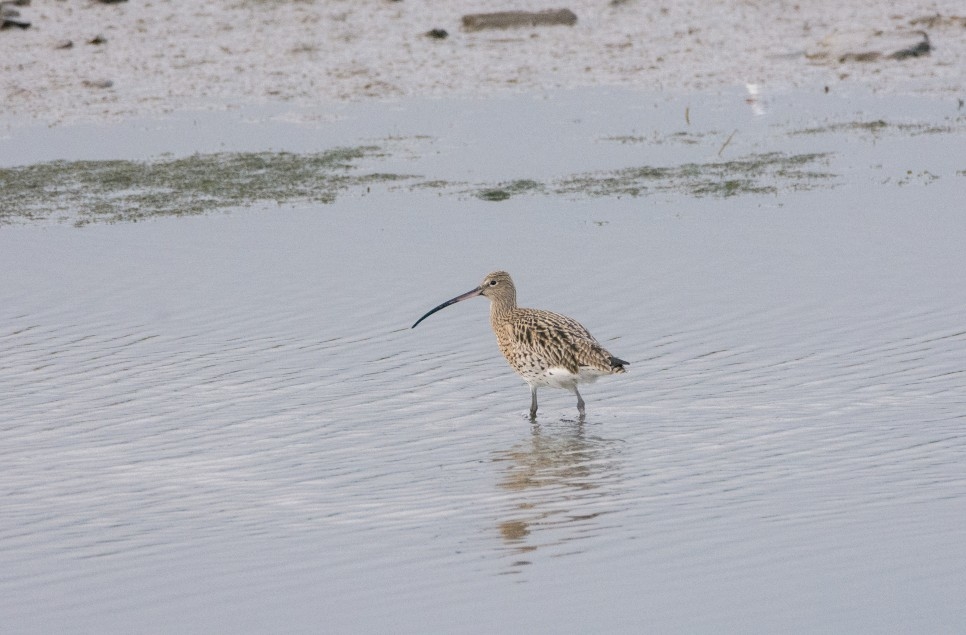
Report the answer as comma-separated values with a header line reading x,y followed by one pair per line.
x,y
546,349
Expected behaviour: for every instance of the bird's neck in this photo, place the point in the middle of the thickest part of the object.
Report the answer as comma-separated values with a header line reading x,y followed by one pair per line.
x,y
501,310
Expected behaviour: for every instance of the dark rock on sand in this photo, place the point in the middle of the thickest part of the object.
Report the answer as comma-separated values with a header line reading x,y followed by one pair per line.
x,y
10,23
437,34
9,18
869,46
516,19
918,49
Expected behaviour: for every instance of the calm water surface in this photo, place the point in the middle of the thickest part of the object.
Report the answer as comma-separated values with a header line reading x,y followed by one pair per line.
x,y
224,423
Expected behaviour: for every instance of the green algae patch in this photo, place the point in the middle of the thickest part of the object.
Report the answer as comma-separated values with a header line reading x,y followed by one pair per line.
x,y
766,173
113,191
875,128
83,192
503,191
686,138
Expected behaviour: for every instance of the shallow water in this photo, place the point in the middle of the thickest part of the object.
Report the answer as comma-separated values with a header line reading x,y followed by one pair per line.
x,y
224,422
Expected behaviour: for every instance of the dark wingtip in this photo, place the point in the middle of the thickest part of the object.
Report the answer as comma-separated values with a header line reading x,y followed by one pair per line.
x,y
618,363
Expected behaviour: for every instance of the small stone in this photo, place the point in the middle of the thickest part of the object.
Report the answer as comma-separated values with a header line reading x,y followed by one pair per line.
x,y
8,23
64,44
437,34
916,50
97,40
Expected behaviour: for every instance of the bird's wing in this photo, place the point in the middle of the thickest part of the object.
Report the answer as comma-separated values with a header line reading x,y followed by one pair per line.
x,y
560,340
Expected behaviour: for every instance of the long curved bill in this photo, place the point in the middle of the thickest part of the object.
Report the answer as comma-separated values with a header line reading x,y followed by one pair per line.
x,y
466,296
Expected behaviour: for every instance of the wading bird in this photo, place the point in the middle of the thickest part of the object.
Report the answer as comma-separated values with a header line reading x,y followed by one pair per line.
x,y
546,349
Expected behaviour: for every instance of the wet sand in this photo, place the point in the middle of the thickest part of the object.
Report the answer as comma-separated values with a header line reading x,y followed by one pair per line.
x,y
157,57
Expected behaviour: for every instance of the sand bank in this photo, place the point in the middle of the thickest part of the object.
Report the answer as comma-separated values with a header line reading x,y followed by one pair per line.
x,y
93,61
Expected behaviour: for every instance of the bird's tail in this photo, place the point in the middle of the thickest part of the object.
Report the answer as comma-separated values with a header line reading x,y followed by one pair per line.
x,y
617,365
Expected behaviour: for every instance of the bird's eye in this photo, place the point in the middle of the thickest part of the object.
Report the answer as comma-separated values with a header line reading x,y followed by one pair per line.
x,y
492,283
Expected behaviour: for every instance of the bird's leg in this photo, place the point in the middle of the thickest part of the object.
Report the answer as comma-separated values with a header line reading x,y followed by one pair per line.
x,y
580,403
533,402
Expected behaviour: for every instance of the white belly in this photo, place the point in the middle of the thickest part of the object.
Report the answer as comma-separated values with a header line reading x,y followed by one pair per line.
x,y
556,377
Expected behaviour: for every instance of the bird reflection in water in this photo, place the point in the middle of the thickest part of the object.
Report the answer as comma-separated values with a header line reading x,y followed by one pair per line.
x,y
562,480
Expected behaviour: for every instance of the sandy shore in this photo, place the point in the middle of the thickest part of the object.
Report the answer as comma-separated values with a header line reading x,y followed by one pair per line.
x,y
155,56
